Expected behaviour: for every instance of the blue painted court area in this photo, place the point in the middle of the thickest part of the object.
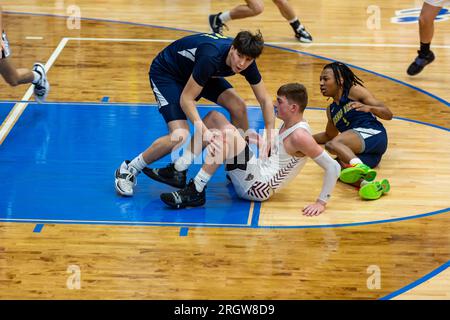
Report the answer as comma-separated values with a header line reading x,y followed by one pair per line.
x,y
5,108
58,165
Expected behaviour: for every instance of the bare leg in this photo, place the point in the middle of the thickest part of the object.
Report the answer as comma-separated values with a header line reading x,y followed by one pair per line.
x,y
236,107
14,76
178,134
426,22
286,9
345,146
250,9
230,145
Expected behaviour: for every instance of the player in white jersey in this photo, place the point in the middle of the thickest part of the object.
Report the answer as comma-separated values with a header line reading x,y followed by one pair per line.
x,y
258,179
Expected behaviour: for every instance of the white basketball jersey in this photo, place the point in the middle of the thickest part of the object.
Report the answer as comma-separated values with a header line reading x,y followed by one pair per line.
x,y
265,176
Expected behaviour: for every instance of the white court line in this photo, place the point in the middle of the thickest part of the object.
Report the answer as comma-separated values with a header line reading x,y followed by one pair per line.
x,y
318,44
34,38
20,107
338,44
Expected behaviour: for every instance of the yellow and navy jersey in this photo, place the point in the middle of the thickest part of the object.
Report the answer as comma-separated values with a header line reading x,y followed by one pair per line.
x,y
203,56
345,118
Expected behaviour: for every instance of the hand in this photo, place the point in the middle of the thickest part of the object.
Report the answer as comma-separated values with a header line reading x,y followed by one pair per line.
x,y
267,146
358,106
255,138
215,147
314,209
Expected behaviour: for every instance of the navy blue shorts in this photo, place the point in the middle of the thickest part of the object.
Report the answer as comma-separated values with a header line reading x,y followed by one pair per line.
x,y
374,142
167,91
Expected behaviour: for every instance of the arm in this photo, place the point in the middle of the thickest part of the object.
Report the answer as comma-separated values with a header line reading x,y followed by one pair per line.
x,y
266,104
187,101
302,141
368,103
330,131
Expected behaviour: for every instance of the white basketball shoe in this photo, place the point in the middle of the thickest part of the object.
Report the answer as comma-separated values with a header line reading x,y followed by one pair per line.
x,y
125,179
42,88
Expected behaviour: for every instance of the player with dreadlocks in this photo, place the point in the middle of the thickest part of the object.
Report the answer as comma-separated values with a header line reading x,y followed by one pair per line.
x,y
353,132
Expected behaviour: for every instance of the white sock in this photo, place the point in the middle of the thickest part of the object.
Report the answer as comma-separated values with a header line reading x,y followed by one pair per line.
x,y
355,161
225,16
293,20
37,77
137,164
183,162
201,179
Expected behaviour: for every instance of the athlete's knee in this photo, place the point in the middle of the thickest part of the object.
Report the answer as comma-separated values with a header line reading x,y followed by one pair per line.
x,y
215,119
426,20
330,146
257,6
280,3
237,108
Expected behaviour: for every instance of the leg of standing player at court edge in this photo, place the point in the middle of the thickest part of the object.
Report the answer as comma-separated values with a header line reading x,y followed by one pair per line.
x,y
250,9
426,32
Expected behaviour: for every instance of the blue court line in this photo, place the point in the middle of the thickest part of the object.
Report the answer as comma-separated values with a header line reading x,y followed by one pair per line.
x,y
445,102
137,223
38,228
152,105
184,232
256,213
105,99
417,282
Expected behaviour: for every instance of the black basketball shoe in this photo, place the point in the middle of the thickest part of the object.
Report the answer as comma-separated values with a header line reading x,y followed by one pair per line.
x,y
187,197
420,62
168,175
216,24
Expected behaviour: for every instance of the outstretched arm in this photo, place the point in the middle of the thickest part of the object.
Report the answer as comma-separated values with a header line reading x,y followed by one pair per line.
x,y
303,142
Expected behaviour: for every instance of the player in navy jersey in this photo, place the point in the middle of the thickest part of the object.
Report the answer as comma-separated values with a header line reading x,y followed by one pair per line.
x,y
353,132
188,69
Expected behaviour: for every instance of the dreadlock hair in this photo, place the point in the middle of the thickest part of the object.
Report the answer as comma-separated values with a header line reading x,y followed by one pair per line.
x,y
340,70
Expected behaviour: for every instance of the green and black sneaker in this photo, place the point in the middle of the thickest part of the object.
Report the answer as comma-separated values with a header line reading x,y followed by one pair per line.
x,y
357,172
374,190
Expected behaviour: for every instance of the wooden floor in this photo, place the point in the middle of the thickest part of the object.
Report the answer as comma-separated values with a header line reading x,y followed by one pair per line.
x,y
135,262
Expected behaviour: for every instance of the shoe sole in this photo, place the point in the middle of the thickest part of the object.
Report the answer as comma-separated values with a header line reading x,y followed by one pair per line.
x,y
149,173
354,174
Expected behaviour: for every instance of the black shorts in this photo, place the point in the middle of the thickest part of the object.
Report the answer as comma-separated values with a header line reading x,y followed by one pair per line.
x,y
167,91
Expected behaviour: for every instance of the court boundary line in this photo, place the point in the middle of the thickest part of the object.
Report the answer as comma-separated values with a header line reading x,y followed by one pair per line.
x,y
153,105
445,102
15,113
418,282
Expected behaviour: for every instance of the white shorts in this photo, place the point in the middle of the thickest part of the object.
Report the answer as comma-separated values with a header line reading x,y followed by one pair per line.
x,y
438,3
5,51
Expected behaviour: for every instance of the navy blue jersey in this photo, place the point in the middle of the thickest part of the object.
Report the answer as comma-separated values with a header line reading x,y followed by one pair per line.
x,y
203,56
345,118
